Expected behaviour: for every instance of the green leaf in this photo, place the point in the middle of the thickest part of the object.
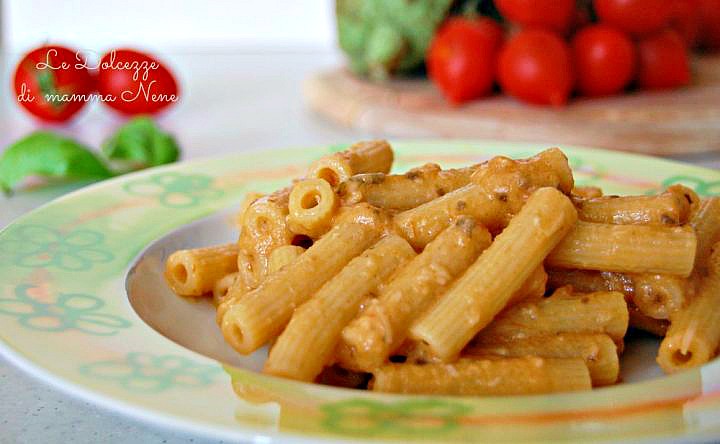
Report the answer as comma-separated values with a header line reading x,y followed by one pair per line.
x,y
140,143
47,154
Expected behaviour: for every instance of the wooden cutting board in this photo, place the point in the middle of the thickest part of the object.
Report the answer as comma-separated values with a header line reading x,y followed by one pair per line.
x,y
663,123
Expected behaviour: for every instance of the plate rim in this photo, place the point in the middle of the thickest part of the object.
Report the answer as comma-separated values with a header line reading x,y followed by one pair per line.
x,y
168,421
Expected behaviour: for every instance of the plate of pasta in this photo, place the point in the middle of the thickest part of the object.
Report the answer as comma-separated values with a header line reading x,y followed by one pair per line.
x,y
424,290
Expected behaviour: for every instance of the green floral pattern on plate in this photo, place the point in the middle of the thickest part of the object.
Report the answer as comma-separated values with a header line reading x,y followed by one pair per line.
x,y
175,190
38,246
69,311
110,351
366,417
144,372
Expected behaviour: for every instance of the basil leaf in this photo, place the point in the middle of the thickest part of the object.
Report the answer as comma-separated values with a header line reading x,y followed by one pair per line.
x,y
141,144
47,154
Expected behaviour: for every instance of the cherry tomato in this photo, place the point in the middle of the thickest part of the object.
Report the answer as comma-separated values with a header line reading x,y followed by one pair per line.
x,y
685,19
52,83
710,24
462,58
634,16
605,60
663,61
535,66
581,18
552,14
132,82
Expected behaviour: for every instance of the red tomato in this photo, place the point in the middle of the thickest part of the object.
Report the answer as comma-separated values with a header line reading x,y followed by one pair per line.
x,y
52,83
462,58
132,82
553,14
710,24
685,19
605,60
581,18
663,61
535,66
634,16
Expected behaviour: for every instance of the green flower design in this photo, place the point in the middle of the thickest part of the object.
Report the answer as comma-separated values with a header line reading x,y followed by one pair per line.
x,y
424,417
175,190
702,187
69,311
37,246
147,373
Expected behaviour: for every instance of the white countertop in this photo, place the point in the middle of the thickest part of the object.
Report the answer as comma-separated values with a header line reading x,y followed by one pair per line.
x,y
233,101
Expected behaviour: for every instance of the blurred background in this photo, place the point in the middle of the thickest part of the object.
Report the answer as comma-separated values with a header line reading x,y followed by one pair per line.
x,y
256,74
240,65
169,25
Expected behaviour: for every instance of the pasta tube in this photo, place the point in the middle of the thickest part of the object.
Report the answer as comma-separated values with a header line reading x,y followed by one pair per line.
x,y
665,209
265,217
487,286
600,312
282,256
626,249
688,194
641,321
499,189
597,350
311,207
248,200
589,281
656,295
706,223
404,191
253,319
533,287
694,334
368,340
485,377
307,343
363,157
265,228
194,272
222,286
579,193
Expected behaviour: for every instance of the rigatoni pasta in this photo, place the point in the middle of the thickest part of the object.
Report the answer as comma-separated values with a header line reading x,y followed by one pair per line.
x,y
563,312
333,307
485,377
222,286
626,249
487,286
667,209
655,295
404,191
260,315
597,350
694,334
499,278
194,272
370,339
363,157
498,190
282,256
311,207
706,223
264,228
